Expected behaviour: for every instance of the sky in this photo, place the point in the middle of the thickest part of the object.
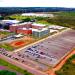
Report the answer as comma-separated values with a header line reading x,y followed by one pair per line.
x,y
37,3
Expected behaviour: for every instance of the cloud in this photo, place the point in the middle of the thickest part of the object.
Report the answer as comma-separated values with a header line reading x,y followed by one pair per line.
x,y
1,0
38,3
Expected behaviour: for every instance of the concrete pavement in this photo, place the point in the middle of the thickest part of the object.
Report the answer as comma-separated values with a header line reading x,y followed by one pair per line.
x,y
23,66
59,65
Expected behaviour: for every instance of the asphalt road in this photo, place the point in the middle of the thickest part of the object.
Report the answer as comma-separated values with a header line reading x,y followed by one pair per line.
x,y
30,69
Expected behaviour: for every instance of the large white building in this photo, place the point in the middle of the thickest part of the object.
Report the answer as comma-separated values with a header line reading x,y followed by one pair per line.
x,y
9,21
38,14
40,32
38,26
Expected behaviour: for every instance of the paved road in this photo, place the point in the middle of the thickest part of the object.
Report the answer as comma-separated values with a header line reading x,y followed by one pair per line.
x,y
30,69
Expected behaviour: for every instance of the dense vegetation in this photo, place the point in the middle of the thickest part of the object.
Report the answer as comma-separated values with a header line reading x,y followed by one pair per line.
x,y
68,68
11,10
64,18
6,72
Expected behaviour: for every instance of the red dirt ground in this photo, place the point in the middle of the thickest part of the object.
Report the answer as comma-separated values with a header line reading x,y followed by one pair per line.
x,y
73,61
21,42
18,43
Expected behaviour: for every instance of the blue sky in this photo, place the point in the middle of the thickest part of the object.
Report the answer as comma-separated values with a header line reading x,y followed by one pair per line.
x,y
37,3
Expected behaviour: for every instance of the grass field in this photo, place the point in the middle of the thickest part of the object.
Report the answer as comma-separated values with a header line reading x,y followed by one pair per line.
x,y
4,32
20,17
44,22
67,14
6,46
13,67
68,68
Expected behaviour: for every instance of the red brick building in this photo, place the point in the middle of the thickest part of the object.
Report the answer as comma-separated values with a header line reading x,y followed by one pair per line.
x,y
24,31
14,27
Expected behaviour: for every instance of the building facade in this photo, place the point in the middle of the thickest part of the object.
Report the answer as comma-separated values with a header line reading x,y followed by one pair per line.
x,y
38,26
40,33
14,27
24,31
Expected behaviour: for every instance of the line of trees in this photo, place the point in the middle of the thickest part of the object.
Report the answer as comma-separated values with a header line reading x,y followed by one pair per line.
x,y
6,72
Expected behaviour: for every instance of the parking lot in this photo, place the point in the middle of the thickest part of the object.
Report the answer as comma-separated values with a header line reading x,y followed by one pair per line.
x,y
46,53
50,51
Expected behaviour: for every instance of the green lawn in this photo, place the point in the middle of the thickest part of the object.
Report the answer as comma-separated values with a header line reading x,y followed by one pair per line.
x,y
20,17
6,46
68,68
44,22
7,64
5,33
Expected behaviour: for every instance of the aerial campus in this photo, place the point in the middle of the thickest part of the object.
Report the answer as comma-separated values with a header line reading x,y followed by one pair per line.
x,y
37,44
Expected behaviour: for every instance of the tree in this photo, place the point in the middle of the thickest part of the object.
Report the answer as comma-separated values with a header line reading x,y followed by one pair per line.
x,y
58,73
6,27
1,18
40,18
27,73
26,20
10,18
0,25
6,72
